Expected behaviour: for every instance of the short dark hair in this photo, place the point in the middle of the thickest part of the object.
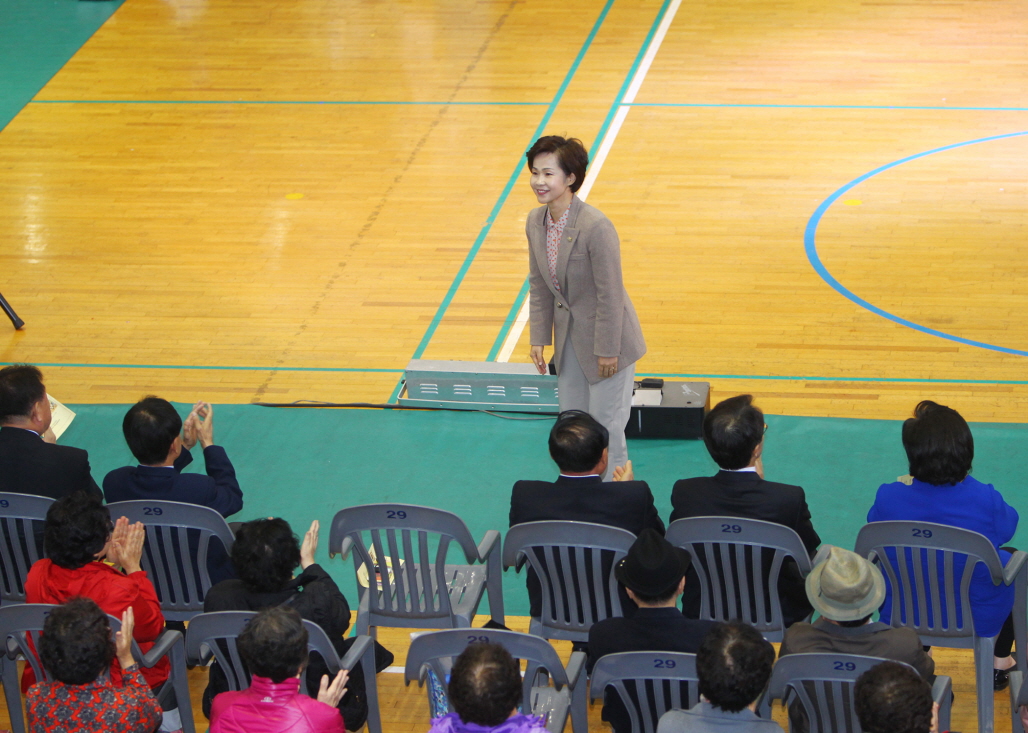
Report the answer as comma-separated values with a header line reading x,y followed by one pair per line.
x,y
571,154
662,598
77,528
264,554
892,698
732,430
485,684
76,645
577,441
274,643
734,664
21,386
939,444
150,427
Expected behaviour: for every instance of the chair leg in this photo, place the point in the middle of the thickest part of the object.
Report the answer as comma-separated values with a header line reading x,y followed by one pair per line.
x,y
374,722
983,653
579,707
12,693
1016,680
181,685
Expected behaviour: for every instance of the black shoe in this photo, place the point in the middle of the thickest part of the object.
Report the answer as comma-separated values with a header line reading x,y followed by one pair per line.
x,y
1001,678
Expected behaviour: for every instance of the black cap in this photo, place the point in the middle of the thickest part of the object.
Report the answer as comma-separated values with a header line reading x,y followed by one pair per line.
x,y
653,566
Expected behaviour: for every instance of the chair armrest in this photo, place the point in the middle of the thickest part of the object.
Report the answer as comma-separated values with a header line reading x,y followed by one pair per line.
x,y
942,690
344,548
821,555
1013,567
489,543
355,652
160,648
574,669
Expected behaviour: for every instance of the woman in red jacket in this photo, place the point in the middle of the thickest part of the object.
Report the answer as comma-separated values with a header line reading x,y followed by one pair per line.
x,y
78,535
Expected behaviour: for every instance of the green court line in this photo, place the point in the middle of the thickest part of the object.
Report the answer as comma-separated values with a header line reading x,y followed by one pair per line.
x,y
487,227
830,106
890,380
284,101
523,293
213,368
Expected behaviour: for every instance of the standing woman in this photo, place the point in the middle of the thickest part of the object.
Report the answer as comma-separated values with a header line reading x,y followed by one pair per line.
x,y
578,301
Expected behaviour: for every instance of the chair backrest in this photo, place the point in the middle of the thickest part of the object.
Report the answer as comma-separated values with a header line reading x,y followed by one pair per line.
x,y
177,566
575,565
930,586
408,547
738,562
436,651
822,685
648,683
21,534
216,633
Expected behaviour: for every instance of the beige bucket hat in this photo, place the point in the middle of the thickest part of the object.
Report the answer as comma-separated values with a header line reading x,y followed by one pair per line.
x,y
845,586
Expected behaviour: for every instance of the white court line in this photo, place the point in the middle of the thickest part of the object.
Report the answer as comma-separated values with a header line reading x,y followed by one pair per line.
x,y
514,335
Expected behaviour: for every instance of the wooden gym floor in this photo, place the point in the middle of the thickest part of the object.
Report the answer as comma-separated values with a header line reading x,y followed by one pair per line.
x,y
278,202
819,203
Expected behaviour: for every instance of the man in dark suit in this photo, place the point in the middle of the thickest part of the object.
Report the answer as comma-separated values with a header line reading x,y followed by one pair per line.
x,y
733,432
578,445
160,441
653,574
30,460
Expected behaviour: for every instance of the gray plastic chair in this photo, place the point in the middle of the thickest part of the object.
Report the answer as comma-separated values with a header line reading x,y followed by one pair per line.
x,y
181,590
422,591
23,623
823,685
21,515
569,557
916,592
1018,698
214,635
436,651
730,556
648,683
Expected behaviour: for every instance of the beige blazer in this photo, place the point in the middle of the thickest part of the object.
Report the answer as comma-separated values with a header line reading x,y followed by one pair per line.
x,y
592,306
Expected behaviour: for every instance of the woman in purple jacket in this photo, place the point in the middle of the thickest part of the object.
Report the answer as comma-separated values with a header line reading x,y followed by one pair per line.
x,y
940,450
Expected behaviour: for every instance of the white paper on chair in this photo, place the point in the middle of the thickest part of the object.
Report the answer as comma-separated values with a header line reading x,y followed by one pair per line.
x,y
62,417
647,397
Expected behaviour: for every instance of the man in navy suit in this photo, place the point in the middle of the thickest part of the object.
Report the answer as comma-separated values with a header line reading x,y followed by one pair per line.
x,y
30,460
160,441
733,432
578,445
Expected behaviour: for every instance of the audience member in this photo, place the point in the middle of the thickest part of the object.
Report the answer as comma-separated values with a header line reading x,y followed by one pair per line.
x,y
30,460
846,590
892,698
940,450
264,555
485,691
78,535
733,432
578,445
274,648
76,649
161,442
653,574
734,665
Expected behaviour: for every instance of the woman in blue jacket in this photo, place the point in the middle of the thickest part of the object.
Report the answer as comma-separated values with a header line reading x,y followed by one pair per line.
x,y
940,449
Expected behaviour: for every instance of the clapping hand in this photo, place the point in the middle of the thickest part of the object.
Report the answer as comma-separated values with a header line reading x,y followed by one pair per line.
x,y
310,545
624,473
125,548
123,639
331,694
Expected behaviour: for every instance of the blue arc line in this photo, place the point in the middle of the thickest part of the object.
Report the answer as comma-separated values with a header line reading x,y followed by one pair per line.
x,y
204,368
487,227
283,101
810,245
598,140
